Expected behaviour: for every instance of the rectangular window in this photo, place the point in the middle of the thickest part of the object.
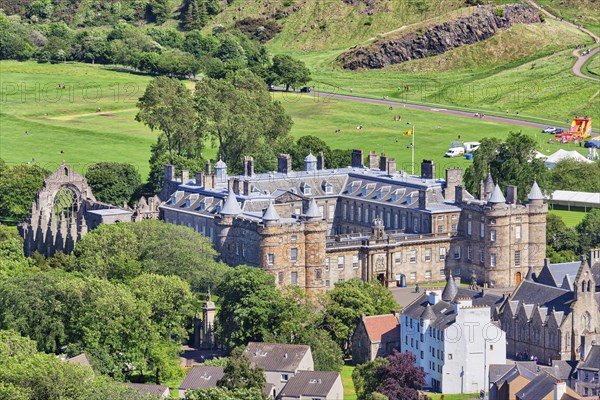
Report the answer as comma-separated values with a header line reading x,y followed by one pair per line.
x,y
442,253
359,213
427,254
457,252
482,230
440,229
284,377
280,277
493,235
341,262
456,272
294,278
327,283
469,252
416,224
398,257
454,227
517,257
294,254
326,263
412,256
322,211
442,273
518,232
469,227
427,274
440,218
366,216
493,260
395,221
354,261
481,257
449,356
271,259
422,355
297,211
413,276
388,218
331,211
319,273
294,238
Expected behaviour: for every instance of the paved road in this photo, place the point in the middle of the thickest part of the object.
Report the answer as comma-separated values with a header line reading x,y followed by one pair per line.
x,y
580,59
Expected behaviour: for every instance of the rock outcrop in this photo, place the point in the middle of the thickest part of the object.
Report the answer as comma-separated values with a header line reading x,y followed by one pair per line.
x,y
437,39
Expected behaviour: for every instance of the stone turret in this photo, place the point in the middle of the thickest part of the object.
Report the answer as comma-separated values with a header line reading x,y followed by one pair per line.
x,y
450,290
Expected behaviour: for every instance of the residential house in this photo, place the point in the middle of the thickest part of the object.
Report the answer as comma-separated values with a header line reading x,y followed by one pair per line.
x,y
280,361
79,359
375,336
454,337
313,385
588,382
160,391
545,386
200,377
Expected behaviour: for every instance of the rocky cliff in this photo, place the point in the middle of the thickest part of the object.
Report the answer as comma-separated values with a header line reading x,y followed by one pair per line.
x,y
437,39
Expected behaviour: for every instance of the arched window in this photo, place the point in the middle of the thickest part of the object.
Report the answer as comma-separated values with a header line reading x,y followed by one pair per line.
x,y
585,322
66,202
583,286
589,286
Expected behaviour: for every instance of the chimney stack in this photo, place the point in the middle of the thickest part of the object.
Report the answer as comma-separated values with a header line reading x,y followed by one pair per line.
x,y
391,166
373,160
284,164
248,166
208,169
458,194
210,181
169,172
560,388
511,194
428,169
247,188
453,179
422,199
357,158
383,162
185,176
200,178
320,161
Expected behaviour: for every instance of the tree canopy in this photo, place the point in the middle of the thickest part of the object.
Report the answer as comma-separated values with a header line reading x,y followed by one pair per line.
x,y
511,162
239,116
113,183
19,185
289,71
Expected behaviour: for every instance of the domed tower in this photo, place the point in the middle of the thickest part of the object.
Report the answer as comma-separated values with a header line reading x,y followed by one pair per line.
x,y
538,211
221,171
310,163
229,211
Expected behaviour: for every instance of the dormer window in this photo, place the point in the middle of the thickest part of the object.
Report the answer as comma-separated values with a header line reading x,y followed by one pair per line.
x,y
306,189
173,199
328,188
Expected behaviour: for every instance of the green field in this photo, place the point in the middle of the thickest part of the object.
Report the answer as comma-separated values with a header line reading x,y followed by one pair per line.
x,y
580,12
570,218
349,393
85,136
592,67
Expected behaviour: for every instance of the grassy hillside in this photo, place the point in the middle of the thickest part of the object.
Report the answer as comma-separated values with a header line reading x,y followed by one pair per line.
x,y
581,12
75,132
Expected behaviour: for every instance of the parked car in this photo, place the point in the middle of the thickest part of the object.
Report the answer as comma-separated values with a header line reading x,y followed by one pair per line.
x,y
305,89
592,144
455,152
553,130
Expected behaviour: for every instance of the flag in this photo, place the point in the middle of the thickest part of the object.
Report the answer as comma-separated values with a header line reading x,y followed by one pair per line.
x,y
408,132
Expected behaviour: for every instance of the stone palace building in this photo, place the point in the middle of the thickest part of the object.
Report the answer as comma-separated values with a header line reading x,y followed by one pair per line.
x,y
319,226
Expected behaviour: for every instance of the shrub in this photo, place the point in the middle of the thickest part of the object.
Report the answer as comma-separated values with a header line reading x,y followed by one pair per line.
x,y
499,12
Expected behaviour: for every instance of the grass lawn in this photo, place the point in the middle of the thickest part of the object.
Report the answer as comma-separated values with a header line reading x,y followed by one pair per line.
x,y
73,131
346,373
438,396
570,218
592,67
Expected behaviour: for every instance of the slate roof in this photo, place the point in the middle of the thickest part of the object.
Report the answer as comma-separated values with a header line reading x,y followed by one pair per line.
x,y
276,357
200,376
313,210
554,274
310,383
145,388
231,206
548,296
497,197
79,359
538,388
270,213
508,372
450,290
535,193
382,328
592,361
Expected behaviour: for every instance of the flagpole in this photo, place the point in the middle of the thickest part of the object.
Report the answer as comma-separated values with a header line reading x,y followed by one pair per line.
x,y
413,151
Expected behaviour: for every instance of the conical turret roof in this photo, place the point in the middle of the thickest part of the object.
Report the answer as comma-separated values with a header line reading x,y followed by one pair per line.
x,y
489,183
270,214
231,206
428,313
497,196
535,193
451,290
313,210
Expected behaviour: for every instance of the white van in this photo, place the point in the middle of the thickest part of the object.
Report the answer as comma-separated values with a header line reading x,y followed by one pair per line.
x,y
471,146
455,152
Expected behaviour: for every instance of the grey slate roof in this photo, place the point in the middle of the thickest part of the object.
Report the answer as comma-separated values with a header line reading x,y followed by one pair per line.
x,y
145,388
534,293
200,376
79,359
270,213
450,290
554,274
538,388
428,313
231,206
535,193
592,361
276,357
310,383
313,210
489,183
497,197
